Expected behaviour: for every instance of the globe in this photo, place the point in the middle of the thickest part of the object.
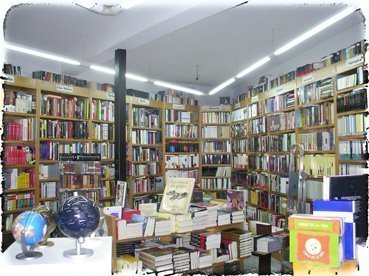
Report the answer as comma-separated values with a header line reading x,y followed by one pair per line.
x,y
78,217
50,218
33,225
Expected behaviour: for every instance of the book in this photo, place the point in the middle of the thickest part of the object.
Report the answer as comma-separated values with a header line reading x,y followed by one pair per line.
x,y
316,240
350,187
177,195
236,199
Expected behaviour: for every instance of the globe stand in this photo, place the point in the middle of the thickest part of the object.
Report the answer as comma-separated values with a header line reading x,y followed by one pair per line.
x,y
78,252
45,244
27,254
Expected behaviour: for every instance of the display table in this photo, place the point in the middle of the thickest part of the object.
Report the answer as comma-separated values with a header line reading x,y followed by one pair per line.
x,y
54,263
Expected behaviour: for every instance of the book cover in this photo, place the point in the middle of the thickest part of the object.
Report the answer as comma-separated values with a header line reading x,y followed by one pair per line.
x,y
350,187
120,193
236,199
315,240
177,195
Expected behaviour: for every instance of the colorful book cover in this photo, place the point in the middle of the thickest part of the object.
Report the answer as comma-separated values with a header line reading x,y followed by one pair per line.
x,y
315,240
236,199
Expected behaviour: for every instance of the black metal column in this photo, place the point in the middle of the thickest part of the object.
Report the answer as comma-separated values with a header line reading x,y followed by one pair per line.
x,y
120,114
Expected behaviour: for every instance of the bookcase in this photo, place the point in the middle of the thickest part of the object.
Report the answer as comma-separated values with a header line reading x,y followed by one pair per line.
x,y
145,162
215,148
325,111
182,141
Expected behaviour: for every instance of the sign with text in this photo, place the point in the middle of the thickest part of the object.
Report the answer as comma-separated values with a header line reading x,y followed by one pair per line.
x,y
110,96
178,106
64,88
143,101
255,99
307,78
354,61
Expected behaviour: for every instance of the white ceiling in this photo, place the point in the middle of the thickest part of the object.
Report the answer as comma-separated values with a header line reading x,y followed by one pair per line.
x,y
166,41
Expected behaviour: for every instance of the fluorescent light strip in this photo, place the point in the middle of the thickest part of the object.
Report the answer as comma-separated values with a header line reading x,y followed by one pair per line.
x,y
177,87
315,30
40,54
102,69
221,86
136,77
253,67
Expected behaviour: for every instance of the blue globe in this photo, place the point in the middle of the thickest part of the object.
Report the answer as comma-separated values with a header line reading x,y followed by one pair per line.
x,y
33,225
78,217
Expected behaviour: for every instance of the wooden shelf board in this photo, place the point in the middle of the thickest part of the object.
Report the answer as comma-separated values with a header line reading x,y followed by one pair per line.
x,y
216,165
216,153
19,166
146,193
181,153
64,140
352,161
59,118
49,180
102,121
14,191
319,152
352,112
18,114
349,89
181,169
181,138
281,111
48,199
102,141
144,175
305,128
146,128
352,137
147,145
328,99
107,178
11,142
281,131
48,161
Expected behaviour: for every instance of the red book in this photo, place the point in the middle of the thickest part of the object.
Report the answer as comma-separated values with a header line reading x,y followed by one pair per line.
x,y
128,213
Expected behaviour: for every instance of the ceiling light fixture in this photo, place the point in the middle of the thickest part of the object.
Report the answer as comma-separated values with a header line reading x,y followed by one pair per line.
x,y
253,67
178,87
40,54
221,86
136,77
330,21
102,69
106,7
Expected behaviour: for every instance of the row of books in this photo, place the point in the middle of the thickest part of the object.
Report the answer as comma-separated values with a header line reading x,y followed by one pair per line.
x,y
72,181
351,169
280,102
51,150
239,161
108,87
215,158
20,129
175,97
182,173
239,114
216,146
180,116
290,76
174,146
319,164
241,145
258,126
320,140
181,161
107,188
18,201
59,78
181,131
102,131
107,170
16,179
315,115
146,137
63,129
354,124
103,110
151,168
19,101
283,121
19,155
274,163
11,69
65,106
147,184
218,172
315,91
48,189
355,100
105,149
216,132
239,129
146,117
146,154
217,117
216,183
359,76
353,150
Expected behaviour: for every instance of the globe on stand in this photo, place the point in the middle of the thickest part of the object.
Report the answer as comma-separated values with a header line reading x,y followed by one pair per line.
x,y
77,218
29,228
50,218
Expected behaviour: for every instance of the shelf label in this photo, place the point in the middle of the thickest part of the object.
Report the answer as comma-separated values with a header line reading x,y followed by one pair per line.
x,y
255,99
307,78
355,61
110,96
178,106
9,78
237,105
214,108
143,101
64,88
279,89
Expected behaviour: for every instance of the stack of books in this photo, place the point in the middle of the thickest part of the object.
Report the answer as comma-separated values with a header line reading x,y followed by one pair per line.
x,y
205,259
183,223
224,217
206,240
268,244
212,216
128,265
237,216
182,239
181,259
244,239
162,227
199,215
158,259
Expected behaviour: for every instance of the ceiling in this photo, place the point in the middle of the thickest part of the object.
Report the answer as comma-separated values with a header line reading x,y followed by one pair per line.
x,y
168,42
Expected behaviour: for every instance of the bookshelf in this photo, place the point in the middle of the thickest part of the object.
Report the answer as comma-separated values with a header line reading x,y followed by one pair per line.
x,y
215,149
182,141
145,163
325,110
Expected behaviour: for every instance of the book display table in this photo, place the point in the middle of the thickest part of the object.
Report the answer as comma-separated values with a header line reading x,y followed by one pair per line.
x,y
53,263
